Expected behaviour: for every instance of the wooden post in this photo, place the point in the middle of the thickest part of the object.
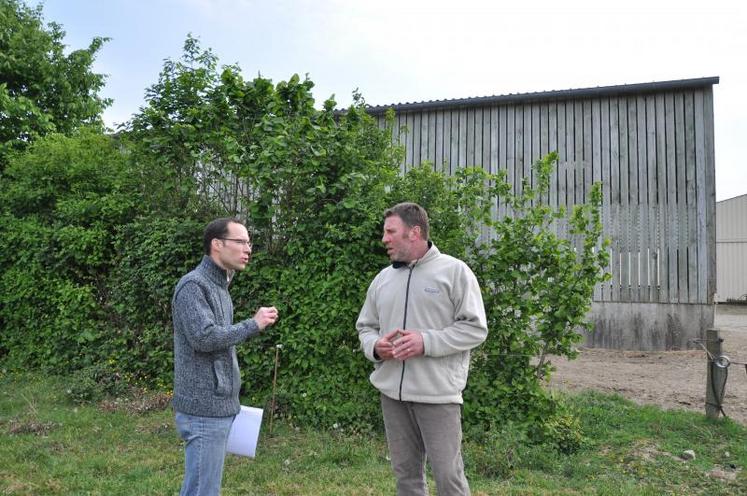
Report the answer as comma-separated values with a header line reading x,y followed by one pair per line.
x,y
274,383
715,382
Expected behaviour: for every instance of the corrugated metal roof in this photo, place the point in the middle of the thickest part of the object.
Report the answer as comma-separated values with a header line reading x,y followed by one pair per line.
x,y
730,199
625,89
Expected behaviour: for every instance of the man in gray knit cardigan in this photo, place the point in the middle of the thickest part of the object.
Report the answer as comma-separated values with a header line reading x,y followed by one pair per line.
x,y
206,371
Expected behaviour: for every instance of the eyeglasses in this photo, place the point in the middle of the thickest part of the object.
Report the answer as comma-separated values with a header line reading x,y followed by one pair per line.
x,y
243,242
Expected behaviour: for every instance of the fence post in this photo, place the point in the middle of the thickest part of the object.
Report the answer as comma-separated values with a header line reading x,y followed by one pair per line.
x,y
715,382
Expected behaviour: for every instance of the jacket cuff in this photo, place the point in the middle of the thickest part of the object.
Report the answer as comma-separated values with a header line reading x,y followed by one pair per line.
x,y
252,327
427,343
370,351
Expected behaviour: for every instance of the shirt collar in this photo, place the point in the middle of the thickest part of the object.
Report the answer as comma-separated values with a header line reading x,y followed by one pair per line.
x,y
432,251
214,272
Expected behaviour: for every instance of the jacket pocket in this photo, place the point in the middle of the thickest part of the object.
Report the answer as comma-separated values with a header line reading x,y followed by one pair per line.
x,y
221,382
458,367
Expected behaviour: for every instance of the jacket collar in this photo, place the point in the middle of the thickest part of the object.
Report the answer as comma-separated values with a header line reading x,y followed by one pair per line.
x,y
214,272
429,255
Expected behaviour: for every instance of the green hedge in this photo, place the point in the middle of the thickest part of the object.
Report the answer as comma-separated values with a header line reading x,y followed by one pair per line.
x,y
96,231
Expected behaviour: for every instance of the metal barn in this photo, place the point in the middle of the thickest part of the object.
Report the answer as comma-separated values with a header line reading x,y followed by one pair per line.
x,y
731,249
651,145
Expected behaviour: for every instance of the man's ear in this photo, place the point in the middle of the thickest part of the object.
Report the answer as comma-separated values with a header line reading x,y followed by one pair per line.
x,y
215,243
413,233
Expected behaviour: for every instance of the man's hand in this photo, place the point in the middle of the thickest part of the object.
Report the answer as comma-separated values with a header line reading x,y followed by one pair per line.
x,y
384,346
408,345
266,316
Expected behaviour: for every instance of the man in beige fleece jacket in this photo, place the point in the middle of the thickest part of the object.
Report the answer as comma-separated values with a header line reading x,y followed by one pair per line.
x,y
422,316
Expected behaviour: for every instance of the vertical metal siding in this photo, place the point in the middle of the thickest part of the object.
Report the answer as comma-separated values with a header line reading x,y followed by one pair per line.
x,y
731,252
652,152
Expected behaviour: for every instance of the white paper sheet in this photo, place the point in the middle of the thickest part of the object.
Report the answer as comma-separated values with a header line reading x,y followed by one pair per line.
x,y
242,440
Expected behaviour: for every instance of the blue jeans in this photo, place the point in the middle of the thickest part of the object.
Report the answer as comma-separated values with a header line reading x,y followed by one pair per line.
x,y
204,452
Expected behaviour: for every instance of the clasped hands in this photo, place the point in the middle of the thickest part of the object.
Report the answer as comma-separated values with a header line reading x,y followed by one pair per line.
x,y
399,344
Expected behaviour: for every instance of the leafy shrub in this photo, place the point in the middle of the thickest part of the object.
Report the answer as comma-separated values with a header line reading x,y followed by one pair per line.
x,y
563,432
46,87
495,452
93,383
60,204
537,290
152,254
95,233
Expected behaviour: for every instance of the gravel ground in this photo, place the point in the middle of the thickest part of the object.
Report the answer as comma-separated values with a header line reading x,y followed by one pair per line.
x,y
671,379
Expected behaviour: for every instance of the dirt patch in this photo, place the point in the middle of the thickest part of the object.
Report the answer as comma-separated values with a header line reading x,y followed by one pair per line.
x,y
672,379
16,426
137,402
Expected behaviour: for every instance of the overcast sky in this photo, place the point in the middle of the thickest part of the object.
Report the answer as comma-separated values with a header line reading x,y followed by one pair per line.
x,y
396,51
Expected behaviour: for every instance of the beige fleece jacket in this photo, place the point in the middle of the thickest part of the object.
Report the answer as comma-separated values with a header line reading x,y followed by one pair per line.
x,y
439,296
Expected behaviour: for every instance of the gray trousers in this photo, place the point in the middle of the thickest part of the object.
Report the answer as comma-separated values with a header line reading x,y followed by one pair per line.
x,y
414,430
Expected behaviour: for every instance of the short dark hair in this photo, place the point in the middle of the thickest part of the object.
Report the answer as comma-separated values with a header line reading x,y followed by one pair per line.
x,y
217,229
412,215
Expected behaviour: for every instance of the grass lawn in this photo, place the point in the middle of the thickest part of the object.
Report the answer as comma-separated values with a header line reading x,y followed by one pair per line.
x,y
50,446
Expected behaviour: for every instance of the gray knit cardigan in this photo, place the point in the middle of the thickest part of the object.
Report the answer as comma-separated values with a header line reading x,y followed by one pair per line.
x,y
206,371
